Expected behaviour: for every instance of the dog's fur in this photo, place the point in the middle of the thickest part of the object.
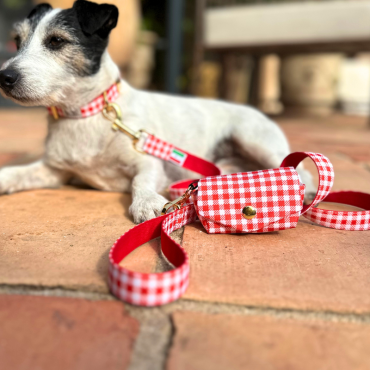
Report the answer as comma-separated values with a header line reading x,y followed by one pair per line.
x,y
73,73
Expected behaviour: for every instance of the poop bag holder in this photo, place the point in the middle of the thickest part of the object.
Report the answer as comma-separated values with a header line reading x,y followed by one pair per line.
x,y
251,202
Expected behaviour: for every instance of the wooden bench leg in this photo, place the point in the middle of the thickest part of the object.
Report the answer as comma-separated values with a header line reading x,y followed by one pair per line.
x,y
198,52
254,88
226,67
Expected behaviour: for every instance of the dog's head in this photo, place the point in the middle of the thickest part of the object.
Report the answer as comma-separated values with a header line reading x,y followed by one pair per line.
x,y
56,49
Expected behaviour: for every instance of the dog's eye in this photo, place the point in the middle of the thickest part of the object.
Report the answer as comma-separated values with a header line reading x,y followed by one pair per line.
x,y
17,41
55,42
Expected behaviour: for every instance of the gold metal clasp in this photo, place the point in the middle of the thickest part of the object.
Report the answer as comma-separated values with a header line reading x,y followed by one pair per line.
x,y
54,112
179,202
112,112
175,204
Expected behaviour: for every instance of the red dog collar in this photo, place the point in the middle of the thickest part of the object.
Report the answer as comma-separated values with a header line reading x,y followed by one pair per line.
x,y
94,107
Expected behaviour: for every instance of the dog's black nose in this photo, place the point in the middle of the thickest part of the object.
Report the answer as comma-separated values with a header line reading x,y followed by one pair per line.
x,y
8,78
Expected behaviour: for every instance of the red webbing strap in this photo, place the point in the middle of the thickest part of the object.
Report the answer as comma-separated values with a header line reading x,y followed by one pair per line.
x,y
351,198
341,220
146,289
168,152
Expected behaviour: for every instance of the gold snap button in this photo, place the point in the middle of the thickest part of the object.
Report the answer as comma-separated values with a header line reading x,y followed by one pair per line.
x,y
249,212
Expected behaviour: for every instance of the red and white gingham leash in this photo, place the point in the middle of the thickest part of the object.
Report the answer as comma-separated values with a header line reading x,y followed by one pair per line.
x,y
157,289
161,288
341,220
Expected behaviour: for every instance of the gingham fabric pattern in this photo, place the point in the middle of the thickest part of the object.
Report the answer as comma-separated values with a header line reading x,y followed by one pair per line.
x,y
176,193
326,177
152,289
94,107
277,195
178,219
340,220
178,188
157,147
344,220
168,152
284,223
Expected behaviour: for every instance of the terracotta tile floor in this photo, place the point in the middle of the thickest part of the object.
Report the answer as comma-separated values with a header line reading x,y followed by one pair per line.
x,y
298,299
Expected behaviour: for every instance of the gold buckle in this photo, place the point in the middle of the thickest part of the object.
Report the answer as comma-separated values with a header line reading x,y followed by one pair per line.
x,y
54,112
117,123
179,202
105,97
116,120
119,87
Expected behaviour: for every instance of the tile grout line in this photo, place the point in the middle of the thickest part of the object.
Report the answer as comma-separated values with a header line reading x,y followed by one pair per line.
x,y
283,312
56,291
155,338
167,350
191,305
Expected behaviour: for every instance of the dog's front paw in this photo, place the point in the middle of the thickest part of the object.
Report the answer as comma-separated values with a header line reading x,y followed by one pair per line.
x,y
8,180
146,208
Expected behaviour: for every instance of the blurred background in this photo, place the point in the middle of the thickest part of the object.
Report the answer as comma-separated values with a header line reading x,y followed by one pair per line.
x,y
305,57
304,63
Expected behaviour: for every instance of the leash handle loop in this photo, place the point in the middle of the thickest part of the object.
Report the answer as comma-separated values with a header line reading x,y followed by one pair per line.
x,y
146,289
326,174
340,220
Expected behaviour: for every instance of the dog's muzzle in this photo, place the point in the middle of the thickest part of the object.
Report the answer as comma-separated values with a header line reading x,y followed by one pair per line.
x,y
8,79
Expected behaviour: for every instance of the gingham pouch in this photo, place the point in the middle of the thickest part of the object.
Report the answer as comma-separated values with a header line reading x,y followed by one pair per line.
x,y
274,196
256,202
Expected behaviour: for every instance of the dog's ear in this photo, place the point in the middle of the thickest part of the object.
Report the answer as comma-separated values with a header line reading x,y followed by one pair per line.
x,y
39,10
96,19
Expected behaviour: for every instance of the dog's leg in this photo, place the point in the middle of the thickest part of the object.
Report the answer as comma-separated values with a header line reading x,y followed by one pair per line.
x,y
33,176
307,179
147,203
268,147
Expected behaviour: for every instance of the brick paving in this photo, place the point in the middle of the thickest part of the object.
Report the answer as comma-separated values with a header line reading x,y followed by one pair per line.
x,y
217,342
64,333
60,237
296,299
310,267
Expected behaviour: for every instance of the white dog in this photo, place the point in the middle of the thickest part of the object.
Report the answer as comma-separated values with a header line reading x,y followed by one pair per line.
x,y
62,62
